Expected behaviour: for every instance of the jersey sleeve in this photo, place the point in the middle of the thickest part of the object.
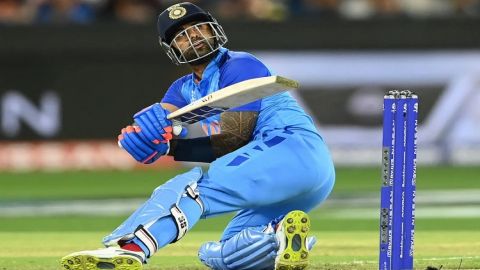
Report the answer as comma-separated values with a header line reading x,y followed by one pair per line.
x,y
174,94
241,69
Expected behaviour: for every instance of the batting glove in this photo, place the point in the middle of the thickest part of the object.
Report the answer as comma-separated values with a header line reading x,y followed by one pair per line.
x,y
134,141
154,123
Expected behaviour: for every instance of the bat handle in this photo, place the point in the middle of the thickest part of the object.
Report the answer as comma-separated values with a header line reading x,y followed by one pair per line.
x,y
178,129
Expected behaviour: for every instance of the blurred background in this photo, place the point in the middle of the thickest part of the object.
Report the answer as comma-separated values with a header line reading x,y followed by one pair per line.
x,y
73,72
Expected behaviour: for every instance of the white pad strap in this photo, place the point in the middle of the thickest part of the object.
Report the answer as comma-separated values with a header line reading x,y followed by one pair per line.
x,y
178,215
147,239
193,193
181,221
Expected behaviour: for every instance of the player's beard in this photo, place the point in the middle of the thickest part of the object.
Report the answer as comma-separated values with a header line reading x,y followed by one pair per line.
x,y
192,57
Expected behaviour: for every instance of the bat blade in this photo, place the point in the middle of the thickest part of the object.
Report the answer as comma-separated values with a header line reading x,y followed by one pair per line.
x,y
232,96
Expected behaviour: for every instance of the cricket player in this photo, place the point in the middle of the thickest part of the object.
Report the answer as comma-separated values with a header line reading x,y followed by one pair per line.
x,y
268,163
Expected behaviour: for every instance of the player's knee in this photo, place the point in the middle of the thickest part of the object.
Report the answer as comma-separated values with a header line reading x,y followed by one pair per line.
x,y
188,208
249,249
179,198
210,254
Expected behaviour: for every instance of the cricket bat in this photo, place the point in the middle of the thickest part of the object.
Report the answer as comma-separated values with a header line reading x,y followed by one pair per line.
x,y
232,96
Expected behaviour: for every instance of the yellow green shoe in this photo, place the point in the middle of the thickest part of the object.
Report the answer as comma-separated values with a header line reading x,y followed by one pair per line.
x,y
107,258
292,235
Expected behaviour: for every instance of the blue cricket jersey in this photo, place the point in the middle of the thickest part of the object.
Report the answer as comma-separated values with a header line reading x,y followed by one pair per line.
x,y
286,166
280,111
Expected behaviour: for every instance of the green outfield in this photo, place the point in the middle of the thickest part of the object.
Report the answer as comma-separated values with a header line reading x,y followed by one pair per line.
x,y
42,218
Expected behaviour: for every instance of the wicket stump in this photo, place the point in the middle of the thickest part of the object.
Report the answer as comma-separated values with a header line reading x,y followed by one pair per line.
x,y
397,205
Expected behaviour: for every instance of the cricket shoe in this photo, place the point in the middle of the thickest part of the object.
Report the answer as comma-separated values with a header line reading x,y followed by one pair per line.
x,y
292,233
106,258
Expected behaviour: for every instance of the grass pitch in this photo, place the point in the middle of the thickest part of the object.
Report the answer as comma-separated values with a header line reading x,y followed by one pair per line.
x,y
345,241
334,250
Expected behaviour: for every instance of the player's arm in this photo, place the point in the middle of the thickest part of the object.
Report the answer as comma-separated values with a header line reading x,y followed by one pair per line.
x,y
236,126
237,129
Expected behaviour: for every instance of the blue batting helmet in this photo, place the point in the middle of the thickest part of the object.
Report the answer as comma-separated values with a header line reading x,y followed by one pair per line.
x,y
170,20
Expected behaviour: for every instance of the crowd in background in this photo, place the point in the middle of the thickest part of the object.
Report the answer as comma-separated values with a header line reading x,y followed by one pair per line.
x,y
144,11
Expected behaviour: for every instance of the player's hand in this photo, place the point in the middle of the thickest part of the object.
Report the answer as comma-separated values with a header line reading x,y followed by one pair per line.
x,y
154,123
134,141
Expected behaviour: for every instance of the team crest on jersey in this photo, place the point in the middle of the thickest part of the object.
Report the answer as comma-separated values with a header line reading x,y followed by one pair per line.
x,y
176,12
